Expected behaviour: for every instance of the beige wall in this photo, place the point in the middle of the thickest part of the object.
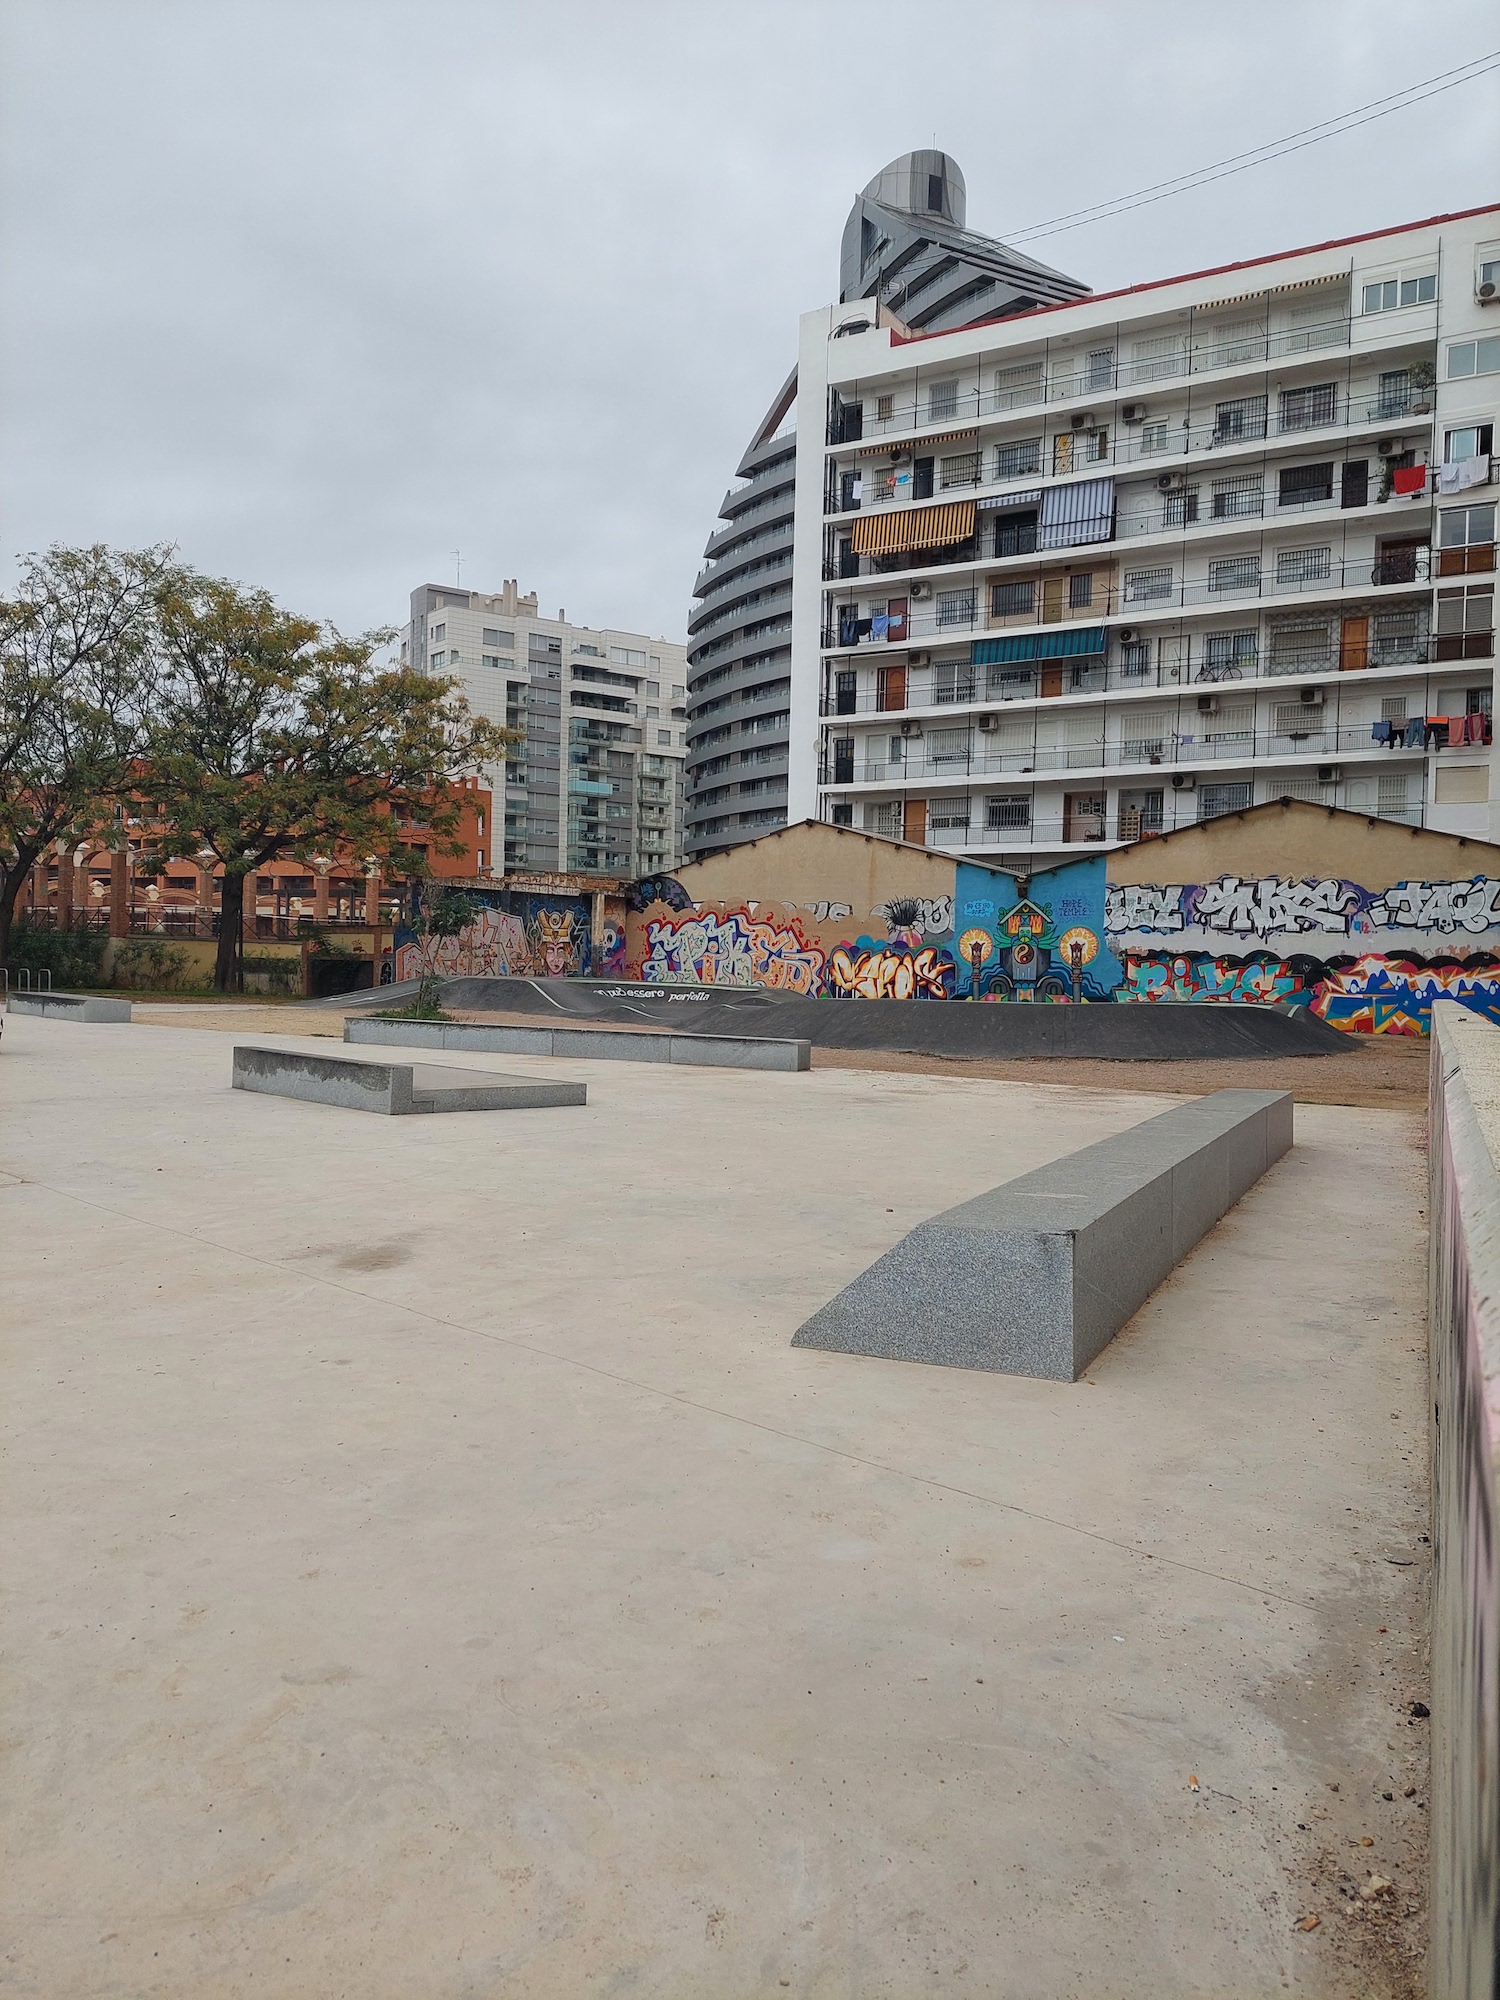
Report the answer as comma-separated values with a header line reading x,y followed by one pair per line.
x,y
810,863
1302,842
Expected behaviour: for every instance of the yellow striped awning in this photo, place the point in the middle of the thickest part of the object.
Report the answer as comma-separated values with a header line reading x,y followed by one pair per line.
x,y
887,449
913,528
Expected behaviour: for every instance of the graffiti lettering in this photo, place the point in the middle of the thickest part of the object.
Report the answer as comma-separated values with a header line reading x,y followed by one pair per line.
x,y
878,973
1142,906
1272,904
1445,907
829,913
1394,996
1209,979
732,950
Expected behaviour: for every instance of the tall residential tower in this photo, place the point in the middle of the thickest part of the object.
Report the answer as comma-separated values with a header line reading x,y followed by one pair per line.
x,y
908,262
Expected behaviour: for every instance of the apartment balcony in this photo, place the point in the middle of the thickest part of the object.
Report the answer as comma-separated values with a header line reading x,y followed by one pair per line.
x,y
1181,359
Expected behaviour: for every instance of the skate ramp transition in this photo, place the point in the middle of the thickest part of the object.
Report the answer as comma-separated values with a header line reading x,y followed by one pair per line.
x,y
1163,1031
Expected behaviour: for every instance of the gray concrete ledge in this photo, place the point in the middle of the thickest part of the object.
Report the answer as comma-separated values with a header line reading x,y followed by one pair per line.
x,y
1038,1275
598,1044
69,1006
395,1089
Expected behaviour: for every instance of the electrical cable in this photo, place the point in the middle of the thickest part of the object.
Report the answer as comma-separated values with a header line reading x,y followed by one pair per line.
x,y
1239,163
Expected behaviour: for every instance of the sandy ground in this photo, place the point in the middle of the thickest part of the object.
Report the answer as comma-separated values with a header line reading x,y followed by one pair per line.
x,y
1381,1072
433,1575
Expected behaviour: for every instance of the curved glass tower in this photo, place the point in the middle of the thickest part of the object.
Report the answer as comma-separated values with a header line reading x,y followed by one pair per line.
x,y
906,249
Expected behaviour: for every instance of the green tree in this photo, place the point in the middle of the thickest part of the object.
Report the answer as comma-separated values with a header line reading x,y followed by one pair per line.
x,y
77,676
445,915
273,735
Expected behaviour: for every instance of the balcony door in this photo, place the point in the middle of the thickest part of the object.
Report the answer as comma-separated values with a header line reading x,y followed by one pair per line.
x,y
914,822
1354,644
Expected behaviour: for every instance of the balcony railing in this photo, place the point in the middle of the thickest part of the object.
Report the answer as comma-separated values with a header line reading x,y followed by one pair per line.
x,y
1085,829
1190,746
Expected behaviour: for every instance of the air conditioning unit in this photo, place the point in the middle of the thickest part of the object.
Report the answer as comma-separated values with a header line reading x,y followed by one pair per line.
x,y
1132,413
1165,481
911,729
988,722
1126,634
1329,774
1487,292
1311,697
1183,781
1208,704
920,592
1083,420
1387,448
919,659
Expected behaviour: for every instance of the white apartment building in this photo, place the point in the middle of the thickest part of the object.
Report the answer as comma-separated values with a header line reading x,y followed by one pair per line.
x,y
1110,566
596,787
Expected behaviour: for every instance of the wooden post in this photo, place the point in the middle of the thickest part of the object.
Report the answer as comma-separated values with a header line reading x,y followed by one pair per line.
x,y
320,891
65,890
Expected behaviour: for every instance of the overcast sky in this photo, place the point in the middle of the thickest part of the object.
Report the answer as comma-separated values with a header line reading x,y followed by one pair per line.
x,y
323,290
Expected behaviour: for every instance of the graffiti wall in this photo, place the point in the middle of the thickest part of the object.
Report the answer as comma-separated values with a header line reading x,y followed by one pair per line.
x,y
1369,960
985,940
521,935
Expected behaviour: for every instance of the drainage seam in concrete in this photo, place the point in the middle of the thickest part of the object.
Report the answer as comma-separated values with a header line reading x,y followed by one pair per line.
x,y
685,1402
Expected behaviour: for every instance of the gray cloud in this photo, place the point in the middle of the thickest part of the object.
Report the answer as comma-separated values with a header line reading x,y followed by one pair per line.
x,y
323,291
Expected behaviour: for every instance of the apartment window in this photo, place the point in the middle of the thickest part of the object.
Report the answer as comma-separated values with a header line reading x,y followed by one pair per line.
x,y
1466,539
955,607
1099,368
1146,739
1296,649
1474,357
896,750
952,814
1180,508
678,693
1015,534
1321,324
664,737
493,637
1238,340
953,680
1012,600
1389,293
1472,441
437,634
1297,718
963,469
1019,384
1237,497
1095,447
1244,417
948,746
1393,708
1390,794
1007,809
1009,683
1155,358
1393,396
1148,586
884,408
653,688
1305,485
1228,656
625,656
1154,435
1135,658
884,819
494,660
1216,800
1466,623
1307,409
1298,566
1234,573
935,193
1015,461
942,402
1080,591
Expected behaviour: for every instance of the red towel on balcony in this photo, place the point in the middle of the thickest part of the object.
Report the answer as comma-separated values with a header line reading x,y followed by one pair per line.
x,y
1409,479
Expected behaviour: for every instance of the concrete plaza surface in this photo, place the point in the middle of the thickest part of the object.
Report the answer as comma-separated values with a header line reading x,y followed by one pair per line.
x,y
433,1572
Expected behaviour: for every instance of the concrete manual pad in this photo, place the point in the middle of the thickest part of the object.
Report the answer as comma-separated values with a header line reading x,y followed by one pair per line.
x,y
594,1044
432,1574
395,1089
69,1006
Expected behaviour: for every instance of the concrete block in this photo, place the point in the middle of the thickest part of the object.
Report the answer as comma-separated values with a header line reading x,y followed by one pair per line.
x,y
650,1045
394,1089
741,1052
69,1006
1037,1276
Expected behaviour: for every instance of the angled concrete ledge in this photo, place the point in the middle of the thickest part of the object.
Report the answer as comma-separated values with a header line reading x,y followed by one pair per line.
x,y
1037,1276
69,1006
396,1089
597,1044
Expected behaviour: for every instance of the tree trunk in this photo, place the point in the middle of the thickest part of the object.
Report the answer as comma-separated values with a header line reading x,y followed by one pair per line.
x,y
12,881
229,964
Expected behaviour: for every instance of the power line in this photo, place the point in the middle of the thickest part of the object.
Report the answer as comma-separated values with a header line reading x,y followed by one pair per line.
x,y
1273,149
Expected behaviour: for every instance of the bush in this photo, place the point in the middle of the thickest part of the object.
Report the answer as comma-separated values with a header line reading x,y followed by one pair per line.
x,y
73,957
149,961
273,972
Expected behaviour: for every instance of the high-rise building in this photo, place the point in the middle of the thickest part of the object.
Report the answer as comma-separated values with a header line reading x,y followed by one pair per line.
x,y
596,787
1100,568
909,261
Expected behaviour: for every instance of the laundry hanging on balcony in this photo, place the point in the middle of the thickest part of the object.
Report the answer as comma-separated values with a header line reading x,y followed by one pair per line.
x,y
1409,479
1081,641
913,528
1083,512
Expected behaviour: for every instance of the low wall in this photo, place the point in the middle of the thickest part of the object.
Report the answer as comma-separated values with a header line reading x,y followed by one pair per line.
x,y
595,1044
394,1089
1464,1226
1039,1275
69,1006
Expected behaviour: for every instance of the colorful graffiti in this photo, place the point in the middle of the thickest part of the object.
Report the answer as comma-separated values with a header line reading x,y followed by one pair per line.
x,y
1199,978
869,970
547,937
1393,996
732,950
1239,906
494,946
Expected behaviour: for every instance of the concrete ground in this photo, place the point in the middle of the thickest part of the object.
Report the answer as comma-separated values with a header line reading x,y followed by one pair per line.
x,y
434,1574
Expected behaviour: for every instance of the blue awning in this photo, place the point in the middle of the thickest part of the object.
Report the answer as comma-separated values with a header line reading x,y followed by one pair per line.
x,y
1083,512
1078,641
